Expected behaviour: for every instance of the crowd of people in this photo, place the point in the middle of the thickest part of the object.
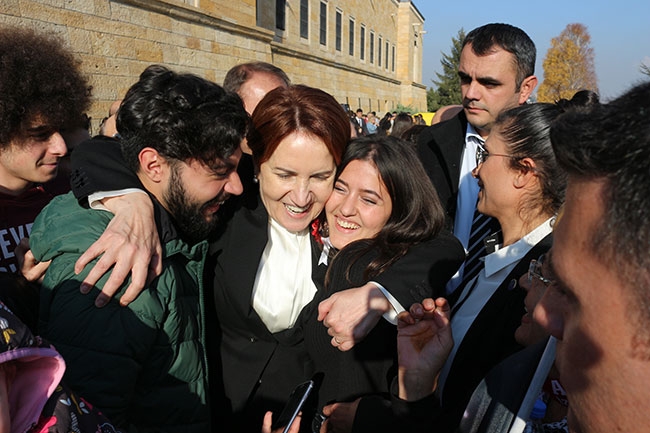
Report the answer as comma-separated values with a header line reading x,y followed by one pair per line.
x,y
393,123
214,246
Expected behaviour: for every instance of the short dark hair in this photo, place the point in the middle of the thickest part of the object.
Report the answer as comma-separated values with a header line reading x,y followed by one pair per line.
x,y
239,74
39,79
417,213
182,116
298,108
509,38
611,142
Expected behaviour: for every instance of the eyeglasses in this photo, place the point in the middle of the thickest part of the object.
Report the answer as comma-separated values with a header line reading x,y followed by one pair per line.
x,y
482,154
535,271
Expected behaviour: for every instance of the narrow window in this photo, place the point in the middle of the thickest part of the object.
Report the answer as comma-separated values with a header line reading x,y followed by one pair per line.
x,y
379,52
351,37
372,47
323,23
339,25
386,54
280,17
304,19
362,43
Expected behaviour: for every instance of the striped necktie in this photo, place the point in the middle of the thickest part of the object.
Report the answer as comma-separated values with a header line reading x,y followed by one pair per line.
x,y
482,226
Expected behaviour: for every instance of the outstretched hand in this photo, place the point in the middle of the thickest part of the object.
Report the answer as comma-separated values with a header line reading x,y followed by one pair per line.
x,y
130,244
424,341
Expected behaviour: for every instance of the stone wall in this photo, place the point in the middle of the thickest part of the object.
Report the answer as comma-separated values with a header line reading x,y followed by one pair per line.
x,y
116,39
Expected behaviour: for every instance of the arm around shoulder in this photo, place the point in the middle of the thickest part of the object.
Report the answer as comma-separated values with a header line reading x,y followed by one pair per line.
x,y
97,165
425,269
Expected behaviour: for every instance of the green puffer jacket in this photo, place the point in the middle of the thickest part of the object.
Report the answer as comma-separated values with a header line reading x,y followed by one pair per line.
x,y
143,365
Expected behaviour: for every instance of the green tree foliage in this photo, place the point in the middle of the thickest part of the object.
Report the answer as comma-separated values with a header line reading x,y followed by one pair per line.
x,y
406,109
568,65
447,91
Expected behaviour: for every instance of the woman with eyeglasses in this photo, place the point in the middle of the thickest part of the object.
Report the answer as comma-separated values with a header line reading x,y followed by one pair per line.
x,y
445,351
522,186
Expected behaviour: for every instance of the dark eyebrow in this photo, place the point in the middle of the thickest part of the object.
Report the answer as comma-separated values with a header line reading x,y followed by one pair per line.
x,y
220,165
40,129
489,81
486,81
367,191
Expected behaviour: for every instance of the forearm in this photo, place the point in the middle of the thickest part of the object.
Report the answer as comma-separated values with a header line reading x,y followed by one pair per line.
x,y
417,415
415,385
423,271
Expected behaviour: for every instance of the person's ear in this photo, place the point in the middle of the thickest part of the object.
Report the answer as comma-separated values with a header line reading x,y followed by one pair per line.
x,y
152,164
526,173
526,88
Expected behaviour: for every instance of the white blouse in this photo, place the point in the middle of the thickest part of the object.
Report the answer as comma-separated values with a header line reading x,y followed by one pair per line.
x,y
283,284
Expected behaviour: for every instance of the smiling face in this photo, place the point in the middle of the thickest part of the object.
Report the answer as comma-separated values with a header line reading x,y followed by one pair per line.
x,y
488,85
495,178
296,180
195,193
31,159
359,206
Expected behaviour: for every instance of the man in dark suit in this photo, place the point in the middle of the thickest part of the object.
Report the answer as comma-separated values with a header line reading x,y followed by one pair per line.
x,y
496,71
360,122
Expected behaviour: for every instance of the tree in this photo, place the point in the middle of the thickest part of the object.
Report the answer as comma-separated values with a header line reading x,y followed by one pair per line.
x,y
568,65
448,84
645,70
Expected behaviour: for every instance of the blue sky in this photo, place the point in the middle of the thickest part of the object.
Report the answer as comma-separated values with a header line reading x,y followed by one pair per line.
x,y
620,32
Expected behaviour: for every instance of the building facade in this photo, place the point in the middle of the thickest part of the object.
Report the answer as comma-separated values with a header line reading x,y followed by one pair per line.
x,y
367,53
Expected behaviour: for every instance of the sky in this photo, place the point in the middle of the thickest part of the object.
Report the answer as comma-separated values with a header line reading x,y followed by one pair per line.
x,y
620,32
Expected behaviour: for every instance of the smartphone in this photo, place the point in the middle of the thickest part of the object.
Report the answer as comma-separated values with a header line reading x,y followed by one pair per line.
x,y
296,400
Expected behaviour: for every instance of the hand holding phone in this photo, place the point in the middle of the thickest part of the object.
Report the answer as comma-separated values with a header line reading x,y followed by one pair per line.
x,y
296,400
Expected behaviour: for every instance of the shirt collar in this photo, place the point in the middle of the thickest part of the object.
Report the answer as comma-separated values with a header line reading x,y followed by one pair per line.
x,y
471,135
512,253
324,255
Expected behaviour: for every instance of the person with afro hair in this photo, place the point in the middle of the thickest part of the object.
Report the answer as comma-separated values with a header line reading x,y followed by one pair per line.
x,y
43,95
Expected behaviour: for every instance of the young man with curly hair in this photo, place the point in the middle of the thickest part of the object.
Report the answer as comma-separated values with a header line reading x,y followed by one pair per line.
x,y
145,365
42,94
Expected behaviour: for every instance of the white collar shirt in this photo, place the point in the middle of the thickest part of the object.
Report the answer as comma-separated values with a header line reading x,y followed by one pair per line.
x,y
477,292
466,199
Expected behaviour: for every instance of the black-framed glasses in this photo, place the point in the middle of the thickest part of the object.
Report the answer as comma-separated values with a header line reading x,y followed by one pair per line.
x,y
535,271
482,154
